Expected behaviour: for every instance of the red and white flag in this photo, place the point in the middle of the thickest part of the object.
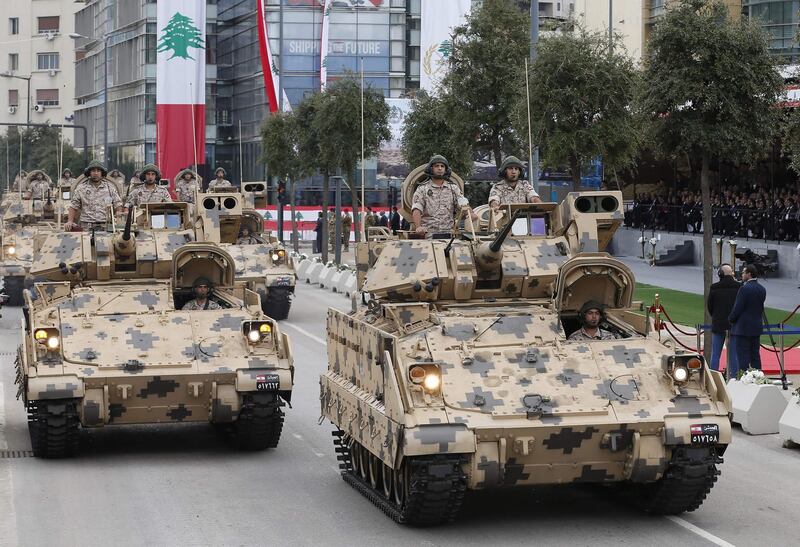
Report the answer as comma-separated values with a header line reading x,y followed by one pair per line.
x,y
272,78
181,85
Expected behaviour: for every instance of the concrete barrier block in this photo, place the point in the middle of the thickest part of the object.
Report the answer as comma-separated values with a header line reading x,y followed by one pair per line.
x,y
314,272
789,424
303,268
756,407
326,278
337,278
349,284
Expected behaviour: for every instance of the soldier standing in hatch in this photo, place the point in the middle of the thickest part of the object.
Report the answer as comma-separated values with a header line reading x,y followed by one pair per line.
x,y
66,178
245,238
435,203
347,223
150,191
93,199
186,186
201,288
591,314
220,181
511,189
39,187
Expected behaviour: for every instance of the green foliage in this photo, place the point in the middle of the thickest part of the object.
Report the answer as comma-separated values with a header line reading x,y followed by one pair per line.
x,y
40,150
709,84
279,145
581,91
486,77
427,131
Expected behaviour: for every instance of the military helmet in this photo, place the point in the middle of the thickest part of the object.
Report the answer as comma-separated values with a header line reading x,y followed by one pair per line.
x,y
150,167
95,164
592,305
438,158
202,281
510,161
65,171
218,169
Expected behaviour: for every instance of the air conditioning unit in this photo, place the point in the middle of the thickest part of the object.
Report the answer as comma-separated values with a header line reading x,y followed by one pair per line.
x,y
50,35
39,108
12,109
52,72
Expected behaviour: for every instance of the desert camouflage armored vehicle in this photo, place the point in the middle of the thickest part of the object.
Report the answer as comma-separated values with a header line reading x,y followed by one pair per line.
x,y
458,375
106,341
262,264
22,217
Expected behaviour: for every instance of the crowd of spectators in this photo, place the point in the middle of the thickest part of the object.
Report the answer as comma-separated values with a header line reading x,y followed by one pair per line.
x,y
757,213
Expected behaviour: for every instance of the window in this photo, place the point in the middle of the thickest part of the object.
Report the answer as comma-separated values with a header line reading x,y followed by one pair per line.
x,y
13,25
47,97
48,24
13,97
47,61
13,61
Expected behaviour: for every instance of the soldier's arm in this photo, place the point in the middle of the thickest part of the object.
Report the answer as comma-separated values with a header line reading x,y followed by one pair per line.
x,y
116,201
533,195
494,197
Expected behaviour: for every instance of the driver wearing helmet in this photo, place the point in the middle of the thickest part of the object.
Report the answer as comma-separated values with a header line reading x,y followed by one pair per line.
x,y
201,288
591,315
512,189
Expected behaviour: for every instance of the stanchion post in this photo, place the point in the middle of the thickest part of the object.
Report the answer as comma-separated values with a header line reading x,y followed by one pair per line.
x,y
657,317
697,333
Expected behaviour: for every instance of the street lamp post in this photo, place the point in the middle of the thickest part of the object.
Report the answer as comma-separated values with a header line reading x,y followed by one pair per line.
x,y
8,74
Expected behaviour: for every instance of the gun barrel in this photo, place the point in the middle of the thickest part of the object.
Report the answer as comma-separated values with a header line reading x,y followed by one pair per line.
x,y
497,243
126,235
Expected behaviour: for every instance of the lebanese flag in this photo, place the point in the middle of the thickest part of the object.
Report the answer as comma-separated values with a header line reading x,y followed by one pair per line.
x,y
180,85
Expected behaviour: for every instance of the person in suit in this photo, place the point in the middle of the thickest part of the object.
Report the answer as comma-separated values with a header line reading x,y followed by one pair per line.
x,y
721,298
395,220
745,319
318,229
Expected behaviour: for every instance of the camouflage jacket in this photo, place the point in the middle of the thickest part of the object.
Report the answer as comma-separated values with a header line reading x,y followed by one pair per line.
x,y
66,182
39,188
580,335
185,190
192,305
347,222
142,194
219,184
94,200
504,192
249,240
438,205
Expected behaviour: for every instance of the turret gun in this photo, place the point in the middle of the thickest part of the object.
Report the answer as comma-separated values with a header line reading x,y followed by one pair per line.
x,y
489,254
125,243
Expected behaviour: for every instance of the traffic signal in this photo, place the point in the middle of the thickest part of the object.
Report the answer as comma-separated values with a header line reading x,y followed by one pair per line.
x,y
283,198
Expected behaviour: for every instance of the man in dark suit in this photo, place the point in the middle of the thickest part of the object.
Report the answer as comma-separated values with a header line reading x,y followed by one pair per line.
x,y
394,221
720,303
318,229
746,325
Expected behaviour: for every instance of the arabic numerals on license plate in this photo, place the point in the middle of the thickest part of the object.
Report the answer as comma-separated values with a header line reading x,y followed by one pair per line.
x,y
704,434
268,382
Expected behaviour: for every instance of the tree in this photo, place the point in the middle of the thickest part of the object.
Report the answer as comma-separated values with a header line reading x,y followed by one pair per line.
x,y
279,151
339,120
41,147
486,77
709,91
581,93
179,35
427,131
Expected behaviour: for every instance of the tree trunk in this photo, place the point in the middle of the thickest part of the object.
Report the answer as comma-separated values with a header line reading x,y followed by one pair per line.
x,y
295,235
325,187
355,190
497,151
575,171
708,258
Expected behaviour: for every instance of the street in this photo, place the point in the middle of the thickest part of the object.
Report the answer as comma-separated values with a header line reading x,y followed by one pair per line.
x,y
184,485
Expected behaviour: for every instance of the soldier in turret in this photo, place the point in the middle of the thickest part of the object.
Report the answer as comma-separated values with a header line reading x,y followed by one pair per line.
x,y
116,176
135,180
66,178
435,205
20,181
591,315
39,187
511,189
201,288
93,199
245,238
220,181
186,186
150,191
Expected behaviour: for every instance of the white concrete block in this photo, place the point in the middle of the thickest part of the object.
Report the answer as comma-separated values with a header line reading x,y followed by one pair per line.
x,y
348,284
303,268
756,407
789,424
326,278
336,278
314,272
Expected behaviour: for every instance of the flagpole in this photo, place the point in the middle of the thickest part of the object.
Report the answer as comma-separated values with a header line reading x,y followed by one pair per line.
x,y
194,129
19,186
241,161
363,181
528,105
61,171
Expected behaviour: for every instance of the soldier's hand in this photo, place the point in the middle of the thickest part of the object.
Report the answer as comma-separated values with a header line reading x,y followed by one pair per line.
x,y
69,226
495,205
420,230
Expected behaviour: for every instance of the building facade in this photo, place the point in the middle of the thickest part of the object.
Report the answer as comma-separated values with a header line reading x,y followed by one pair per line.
x,y
780,19
625,17
36,45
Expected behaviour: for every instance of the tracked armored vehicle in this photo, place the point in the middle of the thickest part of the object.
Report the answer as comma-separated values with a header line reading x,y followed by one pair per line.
x,y
458,375
107,342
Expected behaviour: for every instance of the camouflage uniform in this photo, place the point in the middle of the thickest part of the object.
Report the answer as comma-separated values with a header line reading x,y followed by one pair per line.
x,y
185,189
66,181
581,335
246,240
216,183
507,192
347,223
437,204
93,201
39,189
192,305
142,194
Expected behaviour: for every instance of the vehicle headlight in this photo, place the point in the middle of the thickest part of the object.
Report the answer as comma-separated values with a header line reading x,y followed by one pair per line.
x,y
11,250
427,376
278,255
275,257
48,337
680,367
52,342
257,331
680,373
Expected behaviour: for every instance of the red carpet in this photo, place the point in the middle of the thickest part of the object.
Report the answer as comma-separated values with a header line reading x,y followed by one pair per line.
x,y
769,361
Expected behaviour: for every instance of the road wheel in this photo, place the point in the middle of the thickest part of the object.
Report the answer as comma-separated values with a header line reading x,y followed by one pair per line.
x,y
53,426
260,422
375,466
363,465
277,303
399,485
387,481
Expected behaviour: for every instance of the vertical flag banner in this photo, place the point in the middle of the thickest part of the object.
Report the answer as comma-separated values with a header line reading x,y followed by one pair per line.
x,y
438,19
323,45
272,77
180,85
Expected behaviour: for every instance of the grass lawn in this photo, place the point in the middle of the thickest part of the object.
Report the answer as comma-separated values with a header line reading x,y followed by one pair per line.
x,y
688,309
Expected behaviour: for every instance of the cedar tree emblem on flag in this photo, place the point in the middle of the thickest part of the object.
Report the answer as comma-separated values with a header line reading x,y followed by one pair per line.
x,y
179,35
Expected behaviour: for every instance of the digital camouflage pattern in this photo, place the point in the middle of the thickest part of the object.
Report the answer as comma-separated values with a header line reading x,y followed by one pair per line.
x,y
41,189
438,205
192,305
185,190
582,335
515,402
144,194
217,183
505,192
95,201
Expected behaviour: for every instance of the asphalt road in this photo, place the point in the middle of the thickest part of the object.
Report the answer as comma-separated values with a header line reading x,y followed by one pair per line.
x,y
183,485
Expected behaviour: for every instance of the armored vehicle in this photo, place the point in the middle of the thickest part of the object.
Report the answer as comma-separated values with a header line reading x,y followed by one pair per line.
x,y
108,339
459,375
262,263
